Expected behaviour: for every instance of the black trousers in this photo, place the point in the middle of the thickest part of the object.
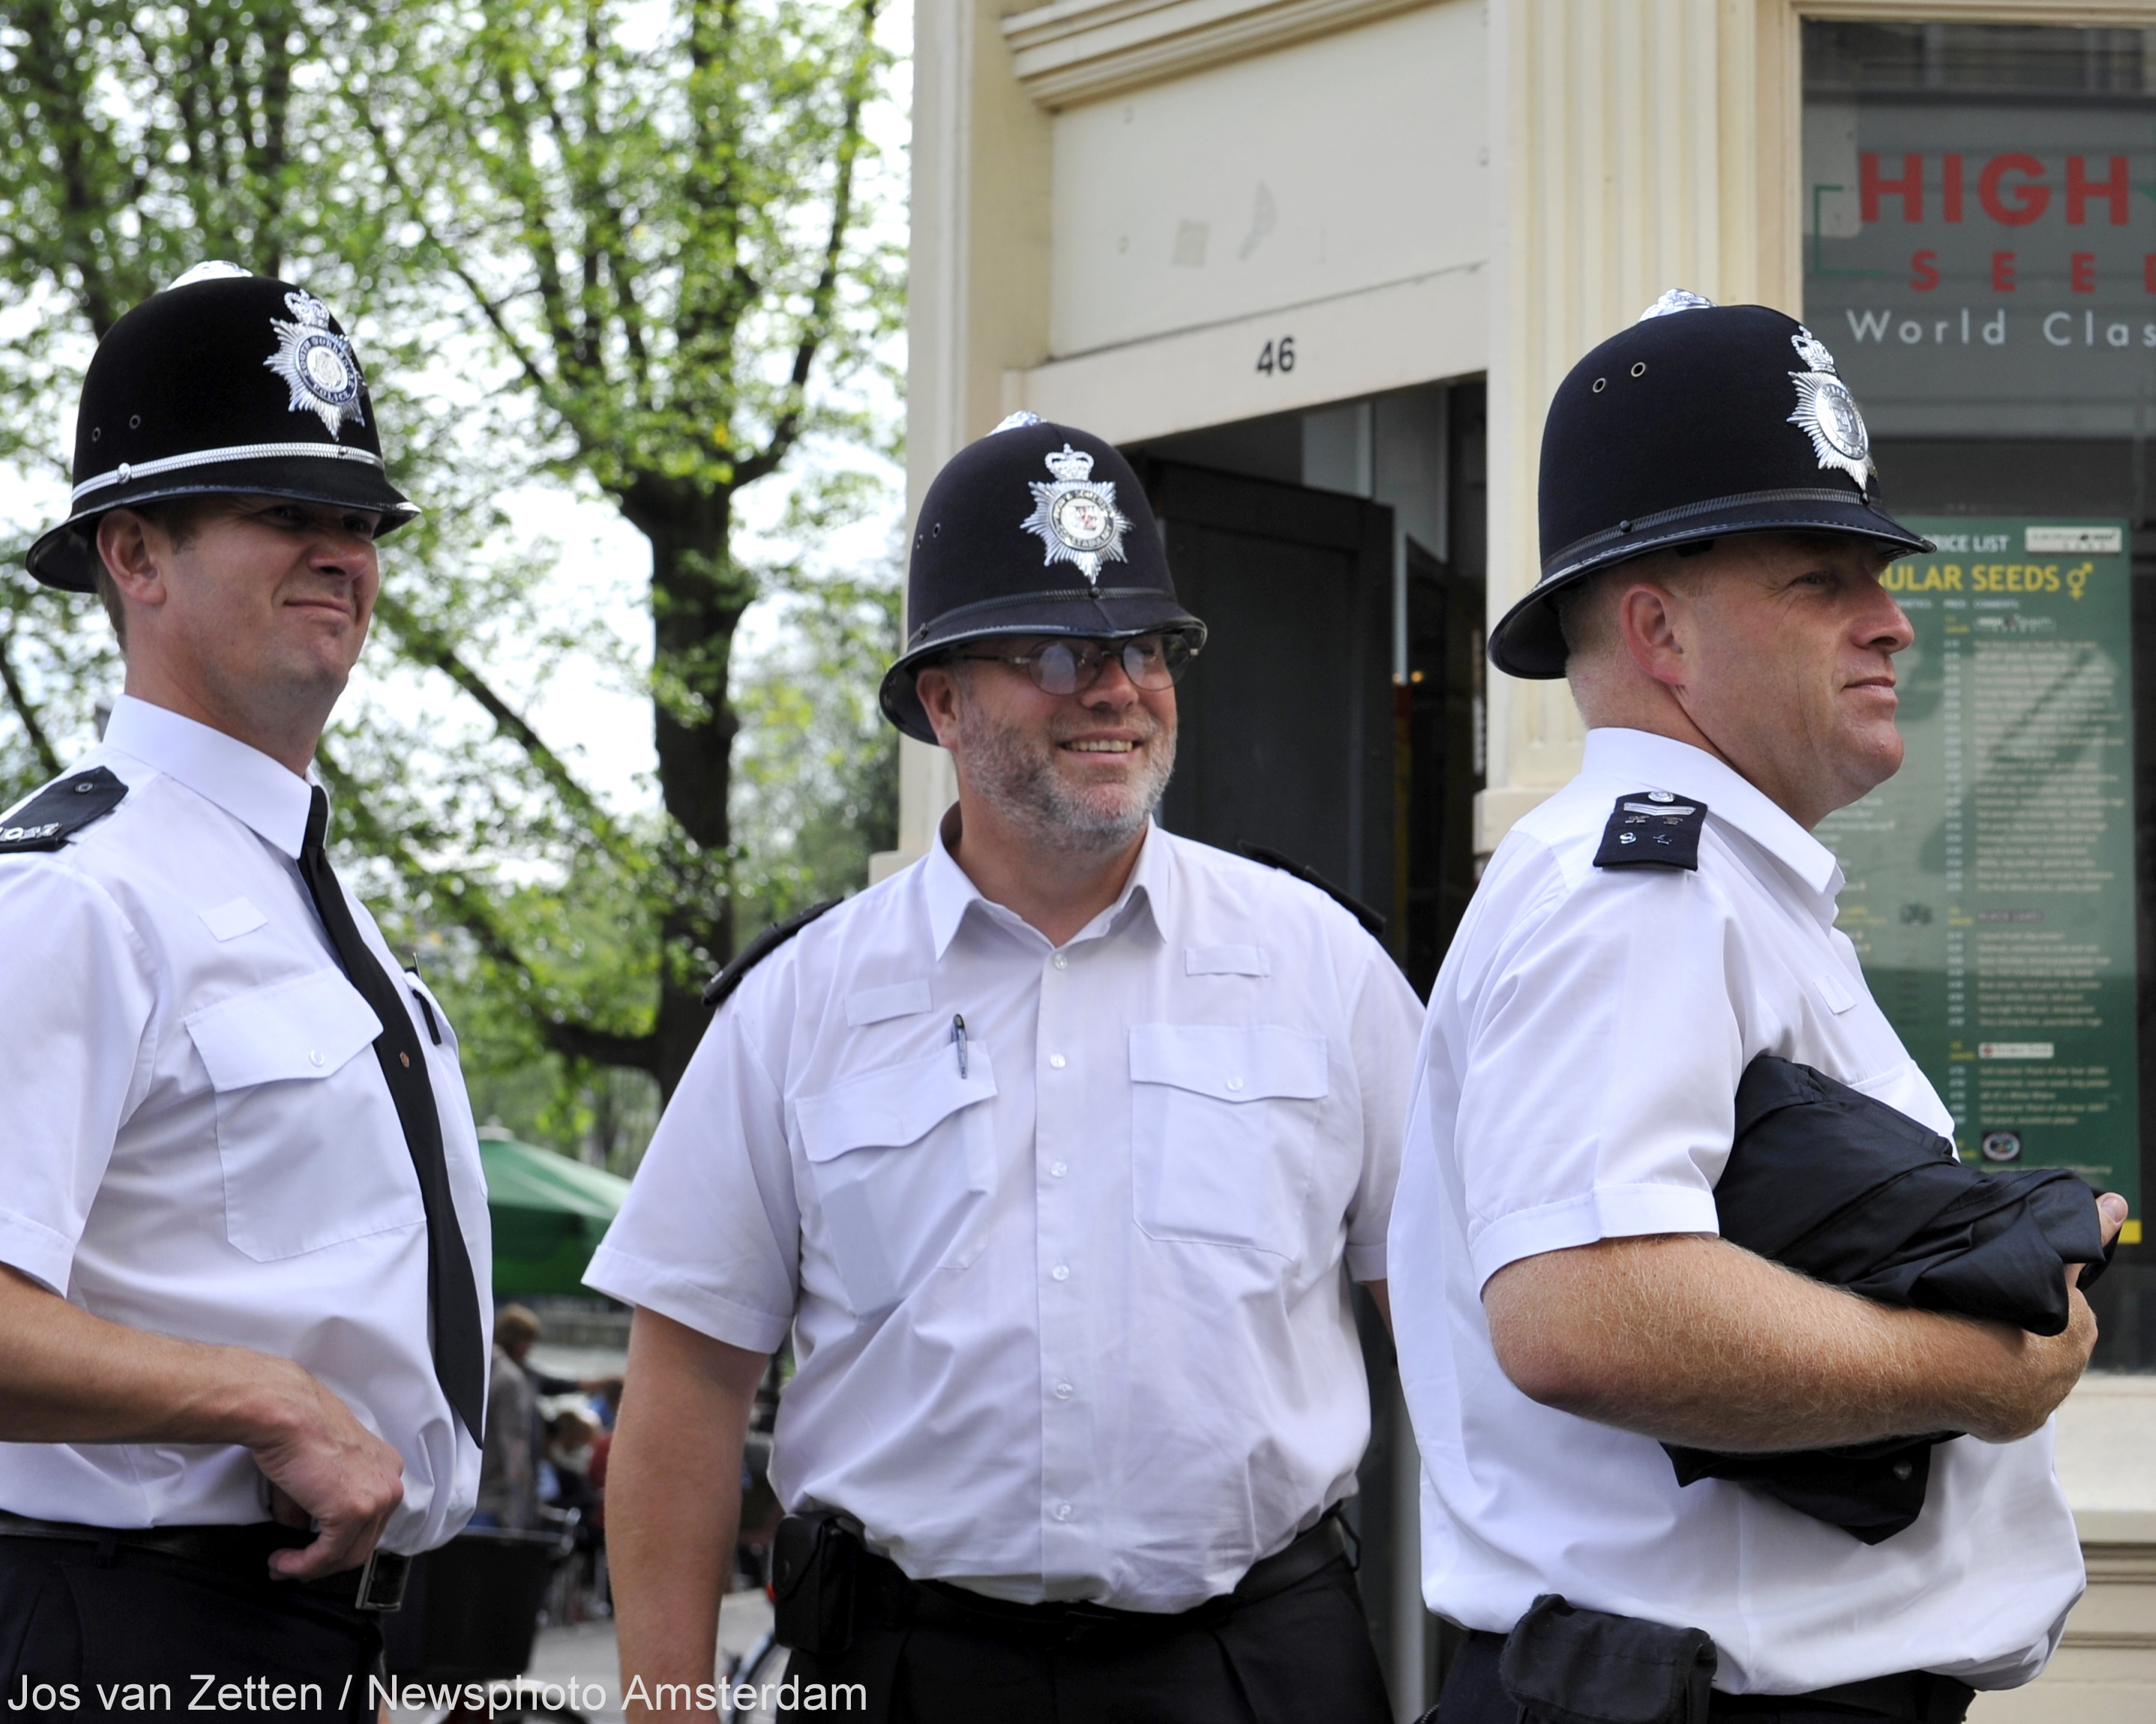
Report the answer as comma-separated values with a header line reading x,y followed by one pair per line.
x,y
1300,1654
1474,1696
87,1636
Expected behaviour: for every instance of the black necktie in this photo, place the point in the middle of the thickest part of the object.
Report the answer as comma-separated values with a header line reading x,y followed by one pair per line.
x,y
459,1355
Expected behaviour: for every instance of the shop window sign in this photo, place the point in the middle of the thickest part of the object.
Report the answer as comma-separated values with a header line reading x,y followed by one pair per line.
x,y
1980,253
1990,882
1985,266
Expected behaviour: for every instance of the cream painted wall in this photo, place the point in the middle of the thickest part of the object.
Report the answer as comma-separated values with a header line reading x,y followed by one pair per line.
x,y
1347,163
1631,139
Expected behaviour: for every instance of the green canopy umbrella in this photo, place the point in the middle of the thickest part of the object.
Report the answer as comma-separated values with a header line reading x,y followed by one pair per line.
x,y
549,1214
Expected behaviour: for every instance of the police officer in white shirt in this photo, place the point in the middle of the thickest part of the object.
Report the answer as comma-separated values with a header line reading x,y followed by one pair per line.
x,y
1056,1153
1710,546
242,1227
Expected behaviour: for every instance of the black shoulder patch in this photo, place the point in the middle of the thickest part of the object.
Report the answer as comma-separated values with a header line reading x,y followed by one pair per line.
x,y
760,948
1652,828
1373,925
61,809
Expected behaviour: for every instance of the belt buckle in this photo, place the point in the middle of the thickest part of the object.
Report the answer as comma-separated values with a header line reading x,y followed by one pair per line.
x,y
382,1582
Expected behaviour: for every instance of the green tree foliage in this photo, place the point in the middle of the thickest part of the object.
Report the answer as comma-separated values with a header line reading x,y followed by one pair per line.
x,y
133,141
665,245
647,243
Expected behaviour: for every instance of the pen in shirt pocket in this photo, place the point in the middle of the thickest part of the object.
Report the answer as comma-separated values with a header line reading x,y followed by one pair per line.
x,y
958,1037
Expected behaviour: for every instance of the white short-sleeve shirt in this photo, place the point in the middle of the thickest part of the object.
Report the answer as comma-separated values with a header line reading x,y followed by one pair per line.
x,y
1071,1321
1578,1082
200,1141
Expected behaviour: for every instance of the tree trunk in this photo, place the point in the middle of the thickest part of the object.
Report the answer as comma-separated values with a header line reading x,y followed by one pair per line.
x,y
697,598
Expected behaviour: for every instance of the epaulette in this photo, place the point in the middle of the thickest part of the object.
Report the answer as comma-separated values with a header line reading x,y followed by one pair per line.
x,y
60,810
760,948
1373,924
1652,828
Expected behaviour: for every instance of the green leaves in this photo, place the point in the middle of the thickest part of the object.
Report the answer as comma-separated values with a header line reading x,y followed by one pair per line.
x,y
577,246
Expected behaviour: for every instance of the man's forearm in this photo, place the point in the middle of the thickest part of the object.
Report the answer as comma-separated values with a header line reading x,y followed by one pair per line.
x,y
72,1377
1691,1340
67,1376
673,1499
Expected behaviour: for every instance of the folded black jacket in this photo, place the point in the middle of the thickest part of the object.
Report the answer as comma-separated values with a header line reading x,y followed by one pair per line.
x,y
1853,1192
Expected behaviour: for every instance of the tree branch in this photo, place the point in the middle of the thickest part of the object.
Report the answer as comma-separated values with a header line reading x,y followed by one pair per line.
x,y
429,647
490,310
467,908
817,324
20,701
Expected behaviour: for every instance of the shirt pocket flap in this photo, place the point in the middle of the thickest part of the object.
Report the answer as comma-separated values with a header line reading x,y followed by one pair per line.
x,y
1231,1062
307,1028
895,1105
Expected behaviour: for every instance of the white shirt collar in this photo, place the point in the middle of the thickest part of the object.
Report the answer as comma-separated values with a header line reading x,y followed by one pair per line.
x,y
243,781
1647,762
952,892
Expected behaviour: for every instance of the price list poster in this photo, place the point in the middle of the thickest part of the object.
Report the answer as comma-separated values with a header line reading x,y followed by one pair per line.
x,y
1990,883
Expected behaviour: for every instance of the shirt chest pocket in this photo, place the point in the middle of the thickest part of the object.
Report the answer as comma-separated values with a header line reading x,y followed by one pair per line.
x,y
1223,1132
901,1160
307,1136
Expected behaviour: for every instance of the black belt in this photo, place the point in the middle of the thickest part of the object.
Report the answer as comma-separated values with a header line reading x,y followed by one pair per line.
x,y
903,1600
243,1550
1908,1696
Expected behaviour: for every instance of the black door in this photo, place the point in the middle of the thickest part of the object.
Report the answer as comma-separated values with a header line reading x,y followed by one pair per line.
x,y
1287,731
1288,740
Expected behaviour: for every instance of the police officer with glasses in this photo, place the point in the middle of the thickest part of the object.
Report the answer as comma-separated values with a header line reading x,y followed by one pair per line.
x,y
1712,542
243,1237
1055,1153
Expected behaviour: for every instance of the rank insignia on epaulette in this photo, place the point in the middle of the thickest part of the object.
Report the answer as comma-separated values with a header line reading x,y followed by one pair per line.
x,y
1652,828
60,810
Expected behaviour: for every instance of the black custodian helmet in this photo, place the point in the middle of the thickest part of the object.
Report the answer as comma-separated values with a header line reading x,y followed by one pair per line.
x,y
1036,529
1697,422
225,382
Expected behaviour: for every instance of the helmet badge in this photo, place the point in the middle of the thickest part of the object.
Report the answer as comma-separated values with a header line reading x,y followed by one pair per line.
x,y
1075,518
1826,411
317,363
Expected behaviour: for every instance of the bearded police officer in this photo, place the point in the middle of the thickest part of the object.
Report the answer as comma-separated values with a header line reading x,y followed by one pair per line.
x,y
1712,544
1054,1151
243,1228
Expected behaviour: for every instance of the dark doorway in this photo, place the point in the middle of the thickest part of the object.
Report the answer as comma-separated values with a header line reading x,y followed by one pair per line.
x,y
1286,732
1295,737
1439,715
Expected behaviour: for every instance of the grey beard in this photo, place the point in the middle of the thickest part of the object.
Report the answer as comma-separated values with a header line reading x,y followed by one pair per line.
x,y
1015,774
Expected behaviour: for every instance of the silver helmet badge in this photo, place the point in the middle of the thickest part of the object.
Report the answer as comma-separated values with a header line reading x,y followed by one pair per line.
x,y
1075,517
1826,411
317,363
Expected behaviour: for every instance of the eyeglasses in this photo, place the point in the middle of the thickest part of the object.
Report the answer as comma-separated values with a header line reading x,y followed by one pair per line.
x,y
1071,667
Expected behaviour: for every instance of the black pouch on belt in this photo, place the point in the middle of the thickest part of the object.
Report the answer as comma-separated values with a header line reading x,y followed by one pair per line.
x,y
1569,1666
815,1559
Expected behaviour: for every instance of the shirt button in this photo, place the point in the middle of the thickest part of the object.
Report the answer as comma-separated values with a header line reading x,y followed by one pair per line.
x,y
1059,1168
1063,1391
1062,1271
314,1058
1062,1510
1056,1060
1061,962
1234,1083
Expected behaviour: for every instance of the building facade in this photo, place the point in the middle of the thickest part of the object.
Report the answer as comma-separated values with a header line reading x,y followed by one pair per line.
x,y
1318,266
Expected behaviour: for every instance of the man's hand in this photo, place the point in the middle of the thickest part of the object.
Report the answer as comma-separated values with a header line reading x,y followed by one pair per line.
x,y
330,1470
66,1376
1691,1340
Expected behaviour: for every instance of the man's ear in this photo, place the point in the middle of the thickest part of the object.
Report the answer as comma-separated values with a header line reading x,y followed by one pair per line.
x,y
936,687
135,564
1652,621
